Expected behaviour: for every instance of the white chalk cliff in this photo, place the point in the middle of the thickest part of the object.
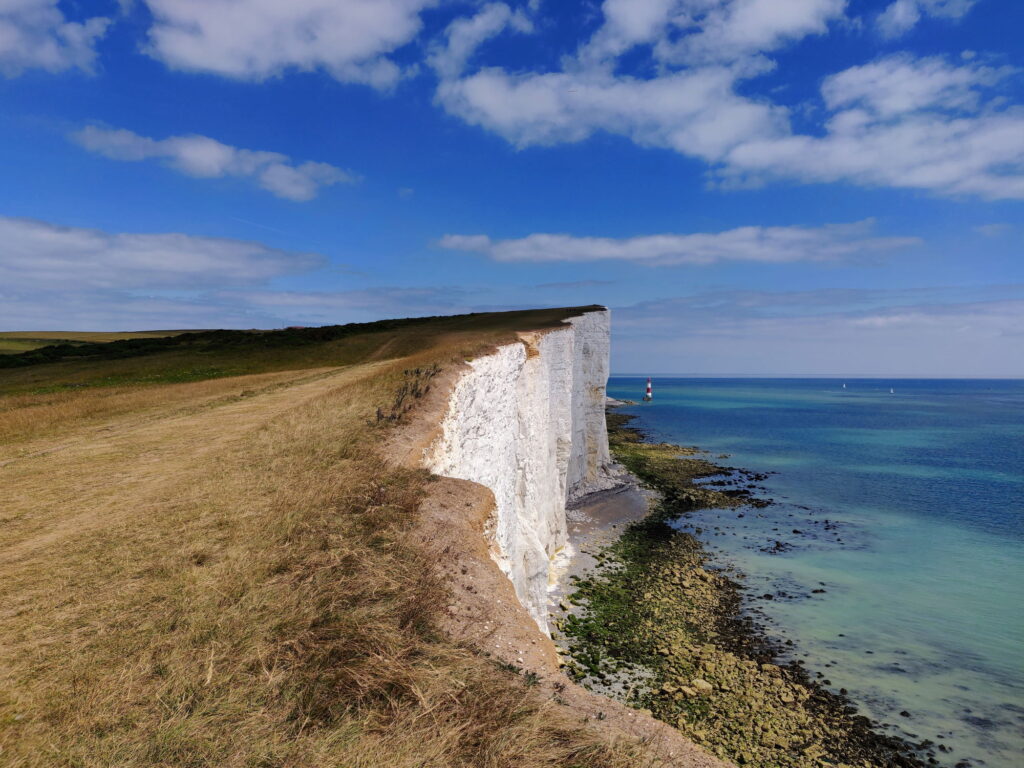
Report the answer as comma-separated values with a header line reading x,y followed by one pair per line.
x,y
528,423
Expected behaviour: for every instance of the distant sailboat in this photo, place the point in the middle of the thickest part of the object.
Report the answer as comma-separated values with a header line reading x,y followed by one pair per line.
x,y
649,395
892,391
844,385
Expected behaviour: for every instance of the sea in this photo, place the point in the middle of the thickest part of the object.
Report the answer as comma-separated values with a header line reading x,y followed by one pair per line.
x,y
893,557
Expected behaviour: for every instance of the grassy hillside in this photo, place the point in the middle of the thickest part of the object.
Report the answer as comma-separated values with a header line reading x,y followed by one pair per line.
x,y
204,562
16,342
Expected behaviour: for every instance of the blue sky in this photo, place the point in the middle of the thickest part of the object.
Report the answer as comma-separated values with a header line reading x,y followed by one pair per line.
x,y
753,186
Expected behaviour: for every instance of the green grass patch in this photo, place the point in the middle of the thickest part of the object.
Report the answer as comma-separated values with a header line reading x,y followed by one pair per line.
x,y
17,342
14,346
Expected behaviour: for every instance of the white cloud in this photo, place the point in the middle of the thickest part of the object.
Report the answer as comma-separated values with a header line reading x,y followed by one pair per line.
x,y
705,31
303,181
902,84
96,310
36,34
465,35
898,18
40,255
99,310
628,23
903,122
900,121
204,157
71,278
257,39
996,229
770,245
695,112
727,30
903,15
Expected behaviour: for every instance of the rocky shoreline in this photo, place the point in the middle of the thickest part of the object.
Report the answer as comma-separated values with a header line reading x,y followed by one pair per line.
x,y
655,624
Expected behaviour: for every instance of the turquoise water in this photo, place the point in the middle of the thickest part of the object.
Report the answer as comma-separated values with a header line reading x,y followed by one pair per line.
x,y
907,509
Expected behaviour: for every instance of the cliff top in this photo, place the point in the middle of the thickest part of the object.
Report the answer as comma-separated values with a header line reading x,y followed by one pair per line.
x,y
173,356
206,560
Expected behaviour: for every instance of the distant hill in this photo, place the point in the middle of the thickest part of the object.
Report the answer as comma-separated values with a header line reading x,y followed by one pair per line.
x,y
16,342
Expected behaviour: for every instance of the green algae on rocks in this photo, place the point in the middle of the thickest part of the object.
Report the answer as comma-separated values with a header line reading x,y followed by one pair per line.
x,y
655,627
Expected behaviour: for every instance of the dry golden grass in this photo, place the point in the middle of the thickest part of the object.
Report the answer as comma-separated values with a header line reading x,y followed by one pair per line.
x,y
189,577
28,416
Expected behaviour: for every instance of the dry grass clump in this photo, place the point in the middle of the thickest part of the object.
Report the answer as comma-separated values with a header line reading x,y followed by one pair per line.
x,y
415,386
255,597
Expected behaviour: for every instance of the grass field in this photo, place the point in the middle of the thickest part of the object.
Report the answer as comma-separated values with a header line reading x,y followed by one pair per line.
x,y
13,346
205,562
14,342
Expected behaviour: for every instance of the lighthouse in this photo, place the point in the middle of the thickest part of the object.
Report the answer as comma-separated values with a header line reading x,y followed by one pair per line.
x,y
648,396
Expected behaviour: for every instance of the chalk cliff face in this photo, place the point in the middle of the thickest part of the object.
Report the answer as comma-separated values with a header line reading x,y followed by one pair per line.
x,y
528,423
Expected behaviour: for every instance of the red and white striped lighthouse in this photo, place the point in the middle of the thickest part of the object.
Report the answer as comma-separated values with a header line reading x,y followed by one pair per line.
x,y
649,395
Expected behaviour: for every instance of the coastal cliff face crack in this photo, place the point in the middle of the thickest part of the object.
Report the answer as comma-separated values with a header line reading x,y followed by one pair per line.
x,y
528,423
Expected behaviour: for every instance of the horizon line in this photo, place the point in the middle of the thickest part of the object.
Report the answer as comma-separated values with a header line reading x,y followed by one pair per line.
x,y
850,377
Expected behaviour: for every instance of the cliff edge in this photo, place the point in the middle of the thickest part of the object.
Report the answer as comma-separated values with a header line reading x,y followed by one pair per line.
x,y
513,437
527,422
